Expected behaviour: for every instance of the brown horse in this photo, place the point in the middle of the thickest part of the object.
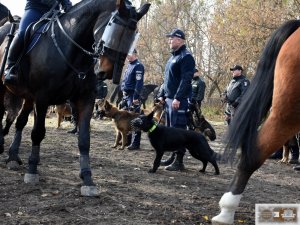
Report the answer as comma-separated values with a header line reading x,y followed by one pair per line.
x,y
260,130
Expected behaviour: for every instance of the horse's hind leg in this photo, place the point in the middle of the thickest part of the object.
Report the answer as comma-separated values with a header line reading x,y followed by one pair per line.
x,y
270,139
231,199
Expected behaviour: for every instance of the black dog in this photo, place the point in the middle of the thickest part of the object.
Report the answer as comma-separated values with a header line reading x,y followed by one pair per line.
x,y
170,139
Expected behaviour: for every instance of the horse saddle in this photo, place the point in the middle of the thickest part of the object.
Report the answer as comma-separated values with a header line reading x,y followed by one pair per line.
x,y
35,30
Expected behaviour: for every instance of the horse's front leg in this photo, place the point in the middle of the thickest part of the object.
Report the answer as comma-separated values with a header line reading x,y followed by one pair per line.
x,y
84,119
37,135
14,161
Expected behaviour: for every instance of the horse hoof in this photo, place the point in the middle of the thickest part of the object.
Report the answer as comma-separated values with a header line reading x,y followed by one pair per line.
x,y
219,223
89,191
13,165
30,178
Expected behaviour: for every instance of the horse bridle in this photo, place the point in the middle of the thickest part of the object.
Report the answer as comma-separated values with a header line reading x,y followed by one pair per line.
x,y
109,45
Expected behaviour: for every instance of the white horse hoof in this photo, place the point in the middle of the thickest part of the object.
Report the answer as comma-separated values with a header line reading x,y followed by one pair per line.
x,y
31,178
218,223
89,191
13,165
215,221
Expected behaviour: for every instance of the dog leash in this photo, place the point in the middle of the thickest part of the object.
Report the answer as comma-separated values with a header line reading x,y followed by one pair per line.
x,y
161,115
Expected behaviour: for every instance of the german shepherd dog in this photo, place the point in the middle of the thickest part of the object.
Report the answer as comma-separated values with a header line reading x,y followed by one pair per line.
x,y
287,147
164,138
62,111
121,119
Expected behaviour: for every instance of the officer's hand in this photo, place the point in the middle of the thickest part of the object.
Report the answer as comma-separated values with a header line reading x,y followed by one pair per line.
x,y
135,101
175,104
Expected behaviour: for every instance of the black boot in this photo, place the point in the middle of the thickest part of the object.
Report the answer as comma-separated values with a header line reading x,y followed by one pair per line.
x,y
10,72
177,165
295,155
168,161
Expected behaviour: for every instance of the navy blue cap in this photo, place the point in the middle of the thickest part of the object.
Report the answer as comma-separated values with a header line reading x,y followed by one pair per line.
x,y
176,33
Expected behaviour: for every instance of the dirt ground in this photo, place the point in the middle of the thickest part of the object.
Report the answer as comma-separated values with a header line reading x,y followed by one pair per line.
x,y
129,195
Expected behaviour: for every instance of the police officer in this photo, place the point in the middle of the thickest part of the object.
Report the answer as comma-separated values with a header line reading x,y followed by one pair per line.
x,y
34,10
131,86
234,91
175,91
198,90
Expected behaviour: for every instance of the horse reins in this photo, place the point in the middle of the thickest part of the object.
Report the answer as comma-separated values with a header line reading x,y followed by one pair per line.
x,y
95,54
81,75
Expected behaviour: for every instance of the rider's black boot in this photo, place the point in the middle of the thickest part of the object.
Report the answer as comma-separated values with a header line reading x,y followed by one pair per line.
x,y
10,72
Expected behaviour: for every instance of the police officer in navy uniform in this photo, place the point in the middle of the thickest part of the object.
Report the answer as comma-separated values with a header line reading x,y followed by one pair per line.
x,y
198,90
132,84
176,90
34,10
234,91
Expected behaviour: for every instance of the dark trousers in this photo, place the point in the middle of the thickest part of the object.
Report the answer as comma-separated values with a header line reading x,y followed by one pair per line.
x,y
177,118
135,137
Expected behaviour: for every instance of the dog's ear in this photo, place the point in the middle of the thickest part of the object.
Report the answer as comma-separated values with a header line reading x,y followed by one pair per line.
x,y
107,106
150,116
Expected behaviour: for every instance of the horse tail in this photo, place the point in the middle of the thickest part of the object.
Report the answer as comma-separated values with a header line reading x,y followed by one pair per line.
x,y
257,100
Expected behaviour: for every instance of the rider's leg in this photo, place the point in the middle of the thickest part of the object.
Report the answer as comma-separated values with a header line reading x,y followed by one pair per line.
x,y
29,16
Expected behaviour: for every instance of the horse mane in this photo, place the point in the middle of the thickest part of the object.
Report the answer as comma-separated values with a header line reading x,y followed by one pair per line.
x,y
87,7
256,102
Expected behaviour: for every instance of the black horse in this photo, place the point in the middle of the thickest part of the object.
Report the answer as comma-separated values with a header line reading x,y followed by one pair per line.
x,y
60,66
146,91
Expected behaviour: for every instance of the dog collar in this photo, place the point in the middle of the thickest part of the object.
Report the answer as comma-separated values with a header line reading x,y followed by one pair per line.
x,y
152,128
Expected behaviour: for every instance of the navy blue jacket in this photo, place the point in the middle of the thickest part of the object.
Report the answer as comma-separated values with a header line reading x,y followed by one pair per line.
x,y
133,79
45,5
179,72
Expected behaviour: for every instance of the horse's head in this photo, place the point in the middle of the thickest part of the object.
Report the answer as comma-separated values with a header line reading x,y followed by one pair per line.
x,y
117,39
